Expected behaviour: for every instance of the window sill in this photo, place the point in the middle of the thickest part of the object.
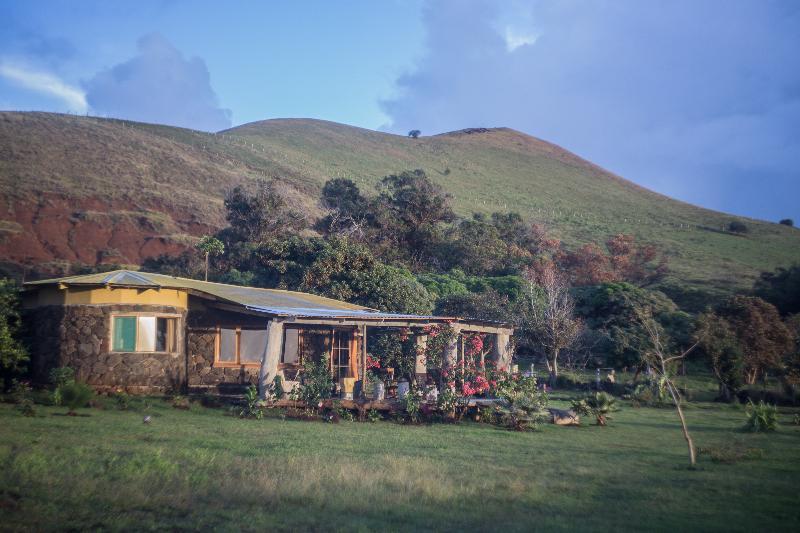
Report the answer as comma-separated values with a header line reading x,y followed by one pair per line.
x,y
120,352
218,364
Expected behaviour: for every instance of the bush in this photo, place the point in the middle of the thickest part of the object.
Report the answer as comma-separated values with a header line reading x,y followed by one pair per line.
x,y
316,384
651,393
526,403
277,388
251,407
761,417
737,226
412,404
787,222
122,401
75,395
59,377
599,405
569,380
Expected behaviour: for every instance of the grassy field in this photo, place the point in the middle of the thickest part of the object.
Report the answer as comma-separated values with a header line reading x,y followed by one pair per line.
x,y
203,469
176,170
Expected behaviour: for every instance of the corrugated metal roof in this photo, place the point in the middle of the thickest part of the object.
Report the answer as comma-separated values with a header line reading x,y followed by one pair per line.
x,y
335,313
245,296
268,301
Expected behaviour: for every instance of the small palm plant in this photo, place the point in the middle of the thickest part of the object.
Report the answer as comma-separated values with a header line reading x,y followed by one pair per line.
x,y
599,405
761,417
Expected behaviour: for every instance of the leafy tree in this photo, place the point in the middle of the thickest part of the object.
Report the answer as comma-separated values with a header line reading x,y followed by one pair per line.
x,y
763,338
184,265
623,260
476,247
409,213
209,246
781,288
787,222
717,341
612,308
262,215
791,366
414,134
347,205
489,305
737,226
13,355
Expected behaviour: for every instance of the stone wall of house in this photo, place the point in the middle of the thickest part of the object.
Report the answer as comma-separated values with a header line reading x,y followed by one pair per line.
x,y
200,342
78,336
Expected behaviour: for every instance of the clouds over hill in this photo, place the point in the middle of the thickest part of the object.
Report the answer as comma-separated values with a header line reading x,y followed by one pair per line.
x,y
698,100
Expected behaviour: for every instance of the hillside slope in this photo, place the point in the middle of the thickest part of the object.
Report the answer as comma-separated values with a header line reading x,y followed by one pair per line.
x,y
97,190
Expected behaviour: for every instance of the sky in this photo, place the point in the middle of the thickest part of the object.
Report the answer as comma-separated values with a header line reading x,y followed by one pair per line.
x,y
699,100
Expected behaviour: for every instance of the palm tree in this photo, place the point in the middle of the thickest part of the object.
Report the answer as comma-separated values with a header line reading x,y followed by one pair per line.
x,y
210,246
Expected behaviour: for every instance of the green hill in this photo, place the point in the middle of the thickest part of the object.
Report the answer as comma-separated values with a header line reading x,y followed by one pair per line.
x,y
66,178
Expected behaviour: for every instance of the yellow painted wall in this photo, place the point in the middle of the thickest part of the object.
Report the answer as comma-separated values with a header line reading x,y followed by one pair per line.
x,y
103,295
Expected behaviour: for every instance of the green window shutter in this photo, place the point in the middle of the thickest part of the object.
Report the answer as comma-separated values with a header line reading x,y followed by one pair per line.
x,y
124,334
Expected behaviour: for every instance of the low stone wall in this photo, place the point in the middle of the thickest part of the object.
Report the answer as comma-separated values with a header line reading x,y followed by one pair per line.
x,y
78,336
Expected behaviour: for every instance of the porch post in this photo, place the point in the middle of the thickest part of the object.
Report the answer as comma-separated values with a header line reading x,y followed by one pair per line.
x,y
271,357
420,363
363,360
501,351
451,350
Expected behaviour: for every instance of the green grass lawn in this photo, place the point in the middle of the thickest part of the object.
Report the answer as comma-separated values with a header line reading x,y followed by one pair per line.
x,y
203,469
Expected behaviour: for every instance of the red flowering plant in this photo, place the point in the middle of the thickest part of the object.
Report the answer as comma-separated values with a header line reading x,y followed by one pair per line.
x,y
439,337
373,368
475,373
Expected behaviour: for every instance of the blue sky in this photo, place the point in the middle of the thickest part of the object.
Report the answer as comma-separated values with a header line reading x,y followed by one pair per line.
x,y
696,99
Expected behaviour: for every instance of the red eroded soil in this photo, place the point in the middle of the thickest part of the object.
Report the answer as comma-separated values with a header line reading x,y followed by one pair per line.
x,y
91,231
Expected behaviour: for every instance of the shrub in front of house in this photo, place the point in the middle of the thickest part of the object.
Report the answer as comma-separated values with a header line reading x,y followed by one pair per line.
x,y
75,395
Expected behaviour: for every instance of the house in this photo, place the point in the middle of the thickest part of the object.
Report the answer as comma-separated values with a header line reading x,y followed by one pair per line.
x,y
143,332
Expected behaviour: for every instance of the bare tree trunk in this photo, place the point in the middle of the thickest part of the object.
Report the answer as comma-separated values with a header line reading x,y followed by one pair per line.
x,y
554,369
676,399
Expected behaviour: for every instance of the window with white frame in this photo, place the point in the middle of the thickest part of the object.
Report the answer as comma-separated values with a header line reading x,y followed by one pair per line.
x,y
143,333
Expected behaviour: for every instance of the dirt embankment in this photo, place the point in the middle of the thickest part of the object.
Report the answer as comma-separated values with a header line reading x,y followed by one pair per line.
x,y
57,228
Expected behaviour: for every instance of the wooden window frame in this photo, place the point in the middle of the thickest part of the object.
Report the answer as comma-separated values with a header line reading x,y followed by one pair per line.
x,y
137,315
237,362
354,348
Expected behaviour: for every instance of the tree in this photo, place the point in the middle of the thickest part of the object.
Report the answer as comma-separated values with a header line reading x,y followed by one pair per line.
x,y
623,260
737,226
489,305
655,354
611,309
781,288
408,215
764,339
262,215
348,207
209,246
787,222
414,134
552,321
717,340
13,355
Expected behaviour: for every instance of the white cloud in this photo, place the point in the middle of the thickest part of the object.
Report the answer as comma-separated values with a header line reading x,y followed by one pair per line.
x,y
516,38
48,84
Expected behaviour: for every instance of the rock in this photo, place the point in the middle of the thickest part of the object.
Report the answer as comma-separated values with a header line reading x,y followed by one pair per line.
x,y
563,417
